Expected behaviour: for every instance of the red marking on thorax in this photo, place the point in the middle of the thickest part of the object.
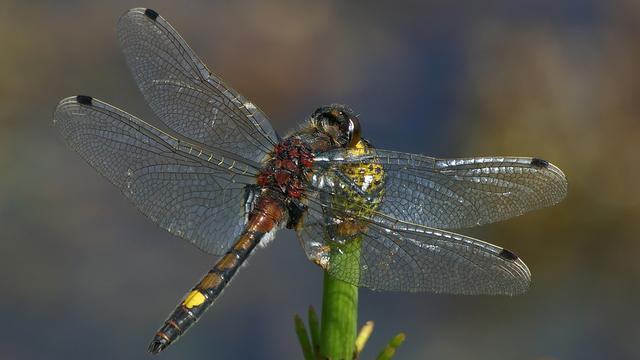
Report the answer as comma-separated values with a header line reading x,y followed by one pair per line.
x,y
286,170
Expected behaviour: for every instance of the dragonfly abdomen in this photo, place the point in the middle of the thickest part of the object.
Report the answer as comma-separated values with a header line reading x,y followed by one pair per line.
x,y
265,218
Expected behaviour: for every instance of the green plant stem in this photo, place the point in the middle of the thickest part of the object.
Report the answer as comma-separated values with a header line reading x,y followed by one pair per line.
x,y
339,319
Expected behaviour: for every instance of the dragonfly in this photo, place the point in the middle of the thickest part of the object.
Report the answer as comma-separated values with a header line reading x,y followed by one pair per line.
x,y
220,177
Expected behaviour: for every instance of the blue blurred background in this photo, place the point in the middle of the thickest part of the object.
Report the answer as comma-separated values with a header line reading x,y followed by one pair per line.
x,y
84,275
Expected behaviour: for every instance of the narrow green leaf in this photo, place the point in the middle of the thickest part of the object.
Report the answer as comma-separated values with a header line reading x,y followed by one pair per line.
x,y
390,350
303,337
314,329
363,336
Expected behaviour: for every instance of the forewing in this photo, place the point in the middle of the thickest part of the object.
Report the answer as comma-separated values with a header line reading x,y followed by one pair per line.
x,y
184,94
454,193
411,258
200,195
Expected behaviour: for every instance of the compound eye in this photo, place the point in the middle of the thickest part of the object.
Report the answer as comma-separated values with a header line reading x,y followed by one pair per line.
x,y
331,126
353,132
341,126
331,121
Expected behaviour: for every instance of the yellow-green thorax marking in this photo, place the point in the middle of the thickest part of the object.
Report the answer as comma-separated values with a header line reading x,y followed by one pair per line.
x,y
369,177
345,238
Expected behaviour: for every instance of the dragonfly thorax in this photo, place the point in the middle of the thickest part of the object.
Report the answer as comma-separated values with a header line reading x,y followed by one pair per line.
x,y
288,167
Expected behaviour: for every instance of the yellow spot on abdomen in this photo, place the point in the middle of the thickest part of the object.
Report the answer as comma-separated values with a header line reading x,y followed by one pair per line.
x,y
195,298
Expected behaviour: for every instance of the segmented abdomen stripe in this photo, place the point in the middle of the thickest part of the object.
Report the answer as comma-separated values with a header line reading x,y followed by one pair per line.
x,y
265,217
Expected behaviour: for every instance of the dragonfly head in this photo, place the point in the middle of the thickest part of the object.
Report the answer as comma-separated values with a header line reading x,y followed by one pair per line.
x,y
339,123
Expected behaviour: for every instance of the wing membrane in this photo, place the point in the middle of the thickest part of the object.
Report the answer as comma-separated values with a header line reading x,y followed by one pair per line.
x,y
198,194
388,240
456,193
410,258
184,94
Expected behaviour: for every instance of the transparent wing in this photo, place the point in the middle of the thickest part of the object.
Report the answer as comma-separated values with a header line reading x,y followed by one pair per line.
x,y
452,193
199,194
382,256
184,94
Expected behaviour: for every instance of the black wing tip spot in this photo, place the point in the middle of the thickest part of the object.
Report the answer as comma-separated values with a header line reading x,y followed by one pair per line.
x,y
84,100
151,14
537,162
508,255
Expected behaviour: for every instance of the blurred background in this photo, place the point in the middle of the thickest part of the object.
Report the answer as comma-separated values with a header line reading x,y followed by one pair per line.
x,y
84,275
